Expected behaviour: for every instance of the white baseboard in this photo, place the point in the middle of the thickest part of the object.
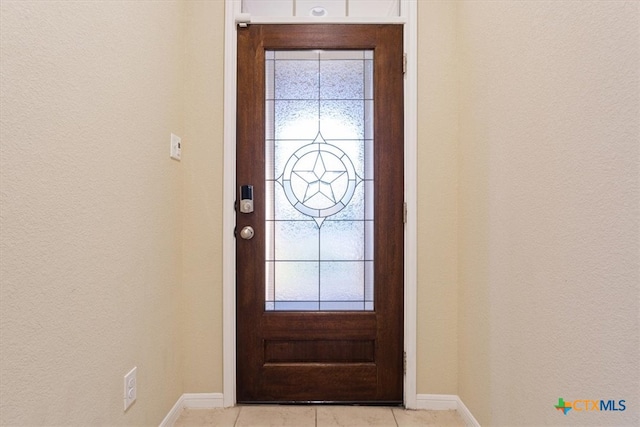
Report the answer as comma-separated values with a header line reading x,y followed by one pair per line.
x,y
192,401
174,413
466,414
437,402
444,402
203,400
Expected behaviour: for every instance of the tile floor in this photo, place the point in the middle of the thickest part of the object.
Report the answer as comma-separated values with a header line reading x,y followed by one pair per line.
x,y
315,416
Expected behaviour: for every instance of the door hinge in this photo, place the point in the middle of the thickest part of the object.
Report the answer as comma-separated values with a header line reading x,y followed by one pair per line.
x,y
404,63
404,362
404,213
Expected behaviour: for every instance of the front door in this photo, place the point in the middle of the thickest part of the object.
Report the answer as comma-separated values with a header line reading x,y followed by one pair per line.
x,y
319,225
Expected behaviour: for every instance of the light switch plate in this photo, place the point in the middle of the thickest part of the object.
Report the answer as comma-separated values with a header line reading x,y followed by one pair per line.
x,y
176,147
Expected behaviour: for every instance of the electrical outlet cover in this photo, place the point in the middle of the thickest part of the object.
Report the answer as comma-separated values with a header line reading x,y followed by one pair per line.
x,y
130,388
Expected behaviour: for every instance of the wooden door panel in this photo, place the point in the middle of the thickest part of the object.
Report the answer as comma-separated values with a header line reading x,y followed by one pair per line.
x,y
350,382
320,325
322,356
319,351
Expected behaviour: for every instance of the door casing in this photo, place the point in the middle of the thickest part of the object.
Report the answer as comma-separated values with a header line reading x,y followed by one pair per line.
x,y
409,19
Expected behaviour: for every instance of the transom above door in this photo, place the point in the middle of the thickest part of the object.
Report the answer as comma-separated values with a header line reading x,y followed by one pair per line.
x,y
322,8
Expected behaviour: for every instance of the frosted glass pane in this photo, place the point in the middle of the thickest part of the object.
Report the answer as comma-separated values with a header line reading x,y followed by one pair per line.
x,y
342,119
368,281
269,159
269,125
355,209
270,241
368,79
296,79
296,54
369,240
296,305
270,293
342,305
368,204
284,149
342,80
318,111
296,281
296,240
342,240
296,119
283,208
319,180
269,201
354,150
368,119
368,159
341,281
269,80
343,54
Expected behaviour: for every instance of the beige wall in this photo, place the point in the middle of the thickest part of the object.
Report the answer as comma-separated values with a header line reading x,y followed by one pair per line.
x,y
527,201
549,209
437,352
91,222
203,177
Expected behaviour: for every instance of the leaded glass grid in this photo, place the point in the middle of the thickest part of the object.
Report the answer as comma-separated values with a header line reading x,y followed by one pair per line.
x,y
319,180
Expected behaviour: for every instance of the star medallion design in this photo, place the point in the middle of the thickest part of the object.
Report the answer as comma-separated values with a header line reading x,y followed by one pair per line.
x,y
319,179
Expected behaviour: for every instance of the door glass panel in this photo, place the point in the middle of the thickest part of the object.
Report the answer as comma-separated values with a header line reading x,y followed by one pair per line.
x,y
319,180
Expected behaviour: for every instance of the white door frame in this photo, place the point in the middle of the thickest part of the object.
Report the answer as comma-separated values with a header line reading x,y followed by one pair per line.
x,y
409,19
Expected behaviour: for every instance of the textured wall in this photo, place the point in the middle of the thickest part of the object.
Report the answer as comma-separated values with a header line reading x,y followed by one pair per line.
x,y
549,209
528,207
91,220
202,161
437,201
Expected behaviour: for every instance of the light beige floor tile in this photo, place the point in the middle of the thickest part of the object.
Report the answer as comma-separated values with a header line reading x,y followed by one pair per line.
x,y
449,418
263,415
407,418
354,416
208,417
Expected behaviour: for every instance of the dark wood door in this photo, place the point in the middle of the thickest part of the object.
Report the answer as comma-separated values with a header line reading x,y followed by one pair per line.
x,y
294,354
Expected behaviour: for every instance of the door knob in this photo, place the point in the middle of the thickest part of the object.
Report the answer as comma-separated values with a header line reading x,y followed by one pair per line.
x,y
247,232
